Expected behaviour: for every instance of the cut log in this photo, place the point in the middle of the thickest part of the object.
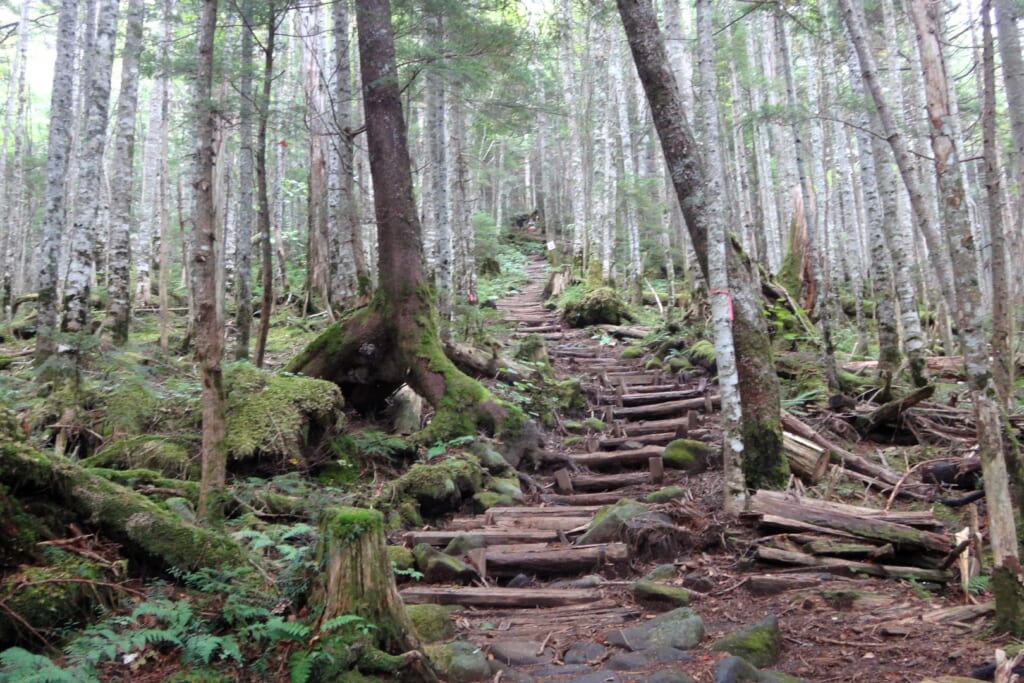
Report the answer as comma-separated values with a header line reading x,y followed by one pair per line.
x,y
604,460
544,560
666,408
950,367
537,329
851,567
657,439
646,398
584,499
620,332
654,426
498,597
772,584
480,363
918,518
807,460
839,549
609,482
902,537
499,514
891,411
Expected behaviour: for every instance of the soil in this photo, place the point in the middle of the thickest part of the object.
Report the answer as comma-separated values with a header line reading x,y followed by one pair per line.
x,y
834,627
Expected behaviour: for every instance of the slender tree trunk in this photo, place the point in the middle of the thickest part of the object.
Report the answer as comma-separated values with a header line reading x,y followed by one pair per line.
x,y
440,209
54,212
122,172
764,464
205,258
718,279
1008,573
243,232
262,194
572,100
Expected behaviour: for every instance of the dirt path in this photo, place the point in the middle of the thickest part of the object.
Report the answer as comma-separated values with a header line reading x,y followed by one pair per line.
x,y
555,609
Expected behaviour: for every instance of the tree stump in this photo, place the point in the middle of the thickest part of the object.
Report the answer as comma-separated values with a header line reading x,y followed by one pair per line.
x,y
356,578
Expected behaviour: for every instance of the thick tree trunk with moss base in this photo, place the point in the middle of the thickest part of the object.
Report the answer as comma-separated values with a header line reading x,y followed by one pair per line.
x,y
357,579
395,340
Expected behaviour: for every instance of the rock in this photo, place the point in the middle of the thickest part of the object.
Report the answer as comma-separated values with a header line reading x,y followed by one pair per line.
x,y
759,644
597,677
401,558
636,661
459,662
665,495
520,653
681,628
668,677
582,652
406,411
433,623
463,543
491,460
629,446
610,521
688,454
520,581
440,568
588,581
651,592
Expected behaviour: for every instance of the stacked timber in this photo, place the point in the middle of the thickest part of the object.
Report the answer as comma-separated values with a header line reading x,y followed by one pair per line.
x,y
841,538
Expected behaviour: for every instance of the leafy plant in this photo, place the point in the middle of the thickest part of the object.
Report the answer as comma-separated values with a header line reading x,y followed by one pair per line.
x,y
21,666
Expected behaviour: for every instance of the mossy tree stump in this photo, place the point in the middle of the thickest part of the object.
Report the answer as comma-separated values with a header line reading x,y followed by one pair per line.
x,y
356,578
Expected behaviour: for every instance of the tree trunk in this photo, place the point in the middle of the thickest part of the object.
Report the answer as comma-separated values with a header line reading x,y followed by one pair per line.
x,y
262,191
764,461
395,340
122,165
88,191
55,207
243,231
970,315
205,257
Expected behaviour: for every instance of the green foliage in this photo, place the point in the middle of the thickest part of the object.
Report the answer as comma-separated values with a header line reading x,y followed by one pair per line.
x,y
21,666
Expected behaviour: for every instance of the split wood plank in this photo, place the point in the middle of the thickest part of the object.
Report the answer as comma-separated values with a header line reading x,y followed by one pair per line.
x,y
646,398
654,426
498,597
583,499
609,482
917,518
892,410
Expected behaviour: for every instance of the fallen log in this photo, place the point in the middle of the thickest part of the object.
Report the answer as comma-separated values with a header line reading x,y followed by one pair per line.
x,y
851,567
538,523
917,518
609,482
498,597
543,560
645,398
656,439
480,363
583,499
901,536
490,536
891,411
620,332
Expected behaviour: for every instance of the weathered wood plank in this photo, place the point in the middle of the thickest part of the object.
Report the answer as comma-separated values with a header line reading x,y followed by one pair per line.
x,y
491,536
666,408
850,566
609,482
618,459
509,560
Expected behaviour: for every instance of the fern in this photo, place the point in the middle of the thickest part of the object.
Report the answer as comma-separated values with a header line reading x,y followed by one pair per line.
x,y
201,647
300,666
358,623
21,666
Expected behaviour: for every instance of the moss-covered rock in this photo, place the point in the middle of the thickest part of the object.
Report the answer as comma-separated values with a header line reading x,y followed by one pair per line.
x,y
438,487
459,662
631,352
594,424
130,406
169,457
5,361
401,558
759,644
662,572
654,593
437,567
464,543
688,454
162,487
532,349
276,416
598,306
608,524
433,623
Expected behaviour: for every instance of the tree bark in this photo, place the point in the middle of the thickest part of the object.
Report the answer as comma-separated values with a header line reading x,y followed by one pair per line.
x,y
262,190
205,257
55,207
122,219
243,231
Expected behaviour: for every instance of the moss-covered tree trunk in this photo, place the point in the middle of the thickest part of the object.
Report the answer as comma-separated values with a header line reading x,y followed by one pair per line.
x,y
356,579
395,339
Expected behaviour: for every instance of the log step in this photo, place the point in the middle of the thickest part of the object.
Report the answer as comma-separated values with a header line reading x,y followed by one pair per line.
x,y
491,536
545,560
604,460
608,482
666,408
498,597
542,523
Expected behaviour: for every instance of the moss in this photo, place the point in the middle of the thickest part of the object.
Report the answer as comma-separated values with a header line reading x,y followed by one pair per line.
x,y
164,455
688,454
50,597
652,364
665,495
598,306
130,406
569,395
433,623
532,348
5,361
401,557
202,674
764,462
702,354
631,352
1009,598
349,523
573,426
274,415
645,591
137,478
572,440
438,487
759,644
594,424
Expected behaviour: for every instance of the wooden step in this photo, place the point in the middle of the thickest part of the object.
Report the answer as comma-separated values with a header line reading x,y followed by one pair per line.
x,y
667,408
606,482
545,560
490,535
498,597
680,425
657,438
540,523
645,398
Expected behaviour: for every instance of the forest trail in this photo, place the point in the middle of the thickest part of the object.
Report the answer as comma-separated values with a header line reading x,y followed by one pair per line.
x,y
555,605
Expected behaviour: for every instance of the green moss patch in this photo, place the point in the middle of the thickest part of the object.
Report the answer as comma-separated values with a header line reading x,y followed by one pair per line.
x,y
688,454
166,456
598,306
